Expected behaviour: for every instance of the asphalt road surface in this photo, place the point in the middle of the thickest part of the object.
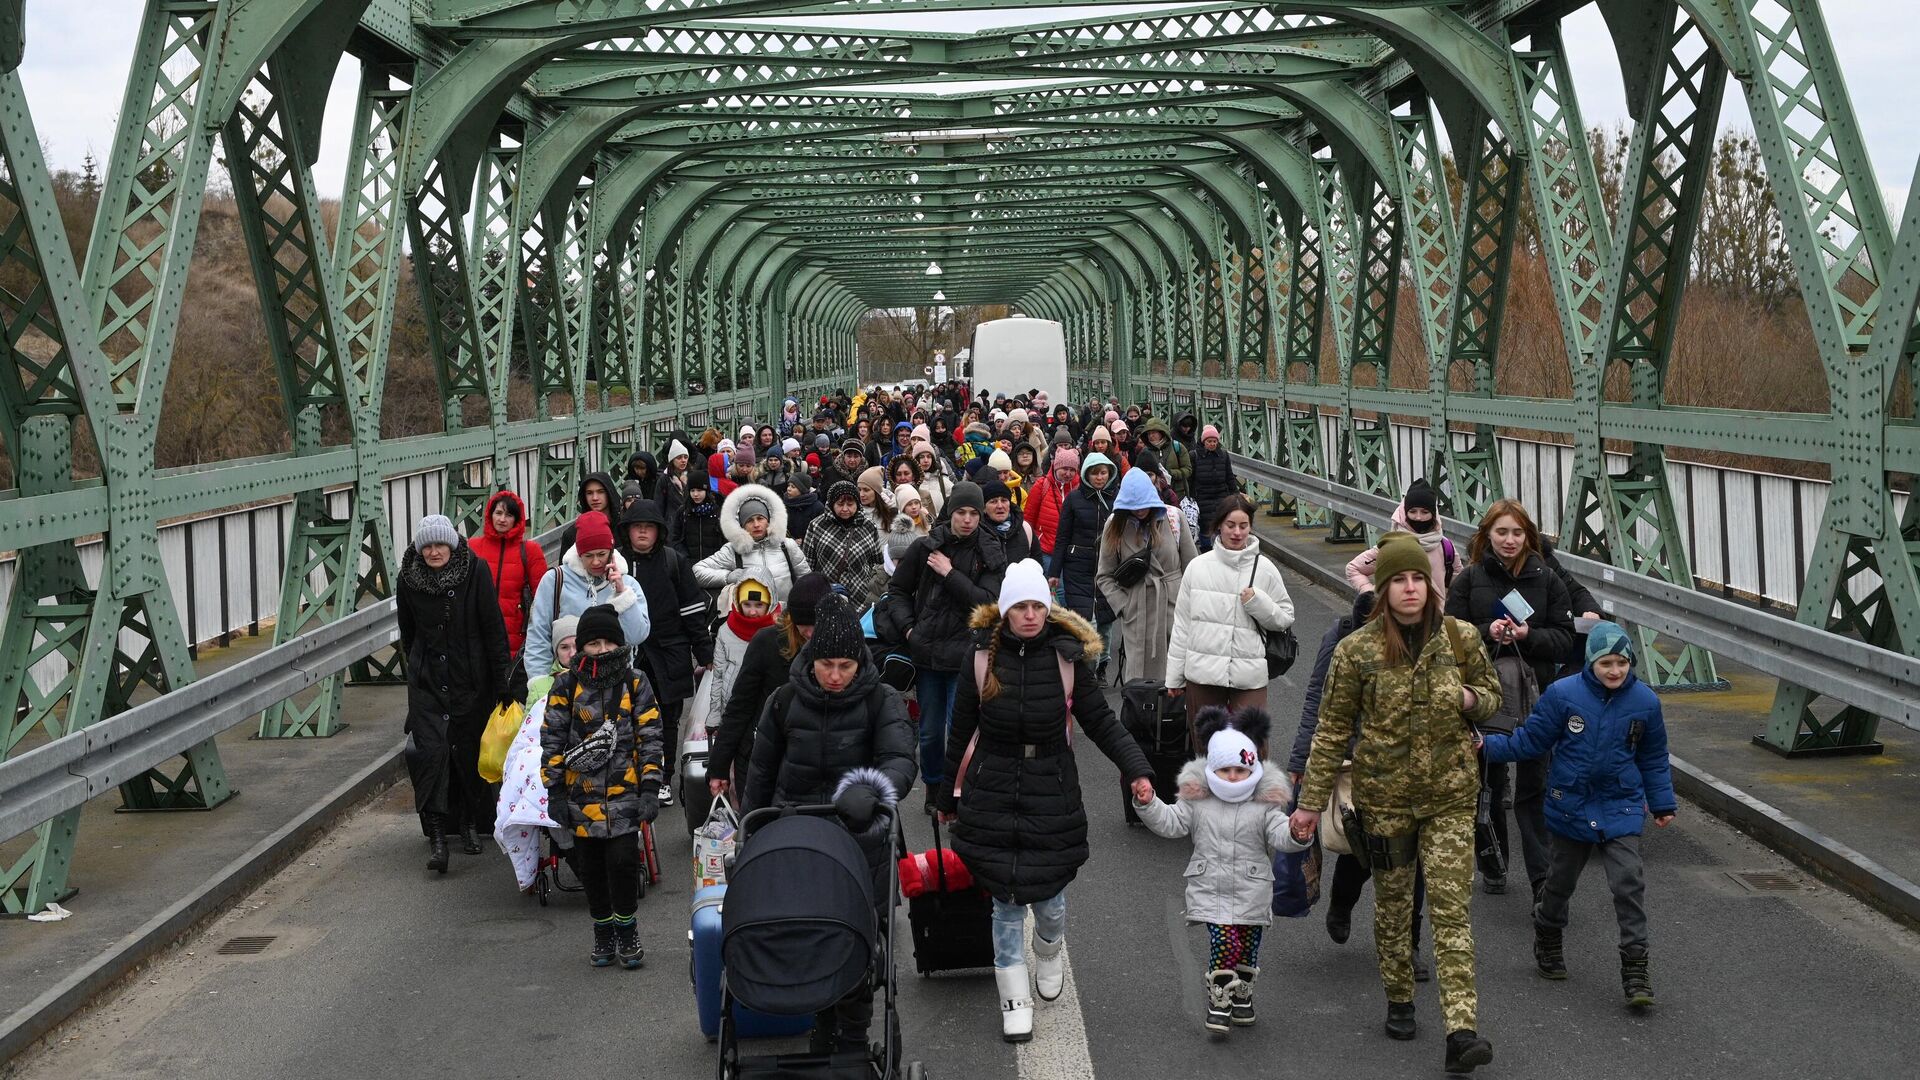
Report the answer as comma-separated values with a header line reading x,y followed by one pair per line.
x,y
379,969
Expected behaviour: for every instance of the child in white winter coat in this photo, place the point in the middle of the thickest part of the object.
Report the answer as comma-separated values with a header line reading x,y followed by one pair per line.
x,y
1235,807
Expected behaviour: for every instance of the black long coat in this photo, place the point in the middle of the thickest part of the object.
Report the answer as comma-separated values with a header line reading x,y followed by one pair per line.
x,y
454,638
1213,480
1076,550
678,635
1022,827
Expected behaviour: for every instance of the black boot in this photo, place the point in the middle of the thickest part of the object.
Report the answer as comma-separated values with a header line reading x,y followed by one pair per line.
x,y
1548,955
1635,982
469,839
602,954
626,942
1465,1050
1400,1020
1339,923
437,838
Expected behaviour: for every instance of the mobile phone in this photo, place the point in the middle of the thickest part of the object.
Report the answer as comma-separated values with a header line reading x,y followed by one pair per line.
x,y
1517,607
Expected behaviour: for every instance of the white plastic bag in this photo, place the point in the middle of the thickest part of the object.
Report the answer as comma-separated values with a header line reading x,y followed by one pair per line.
x,y
713,844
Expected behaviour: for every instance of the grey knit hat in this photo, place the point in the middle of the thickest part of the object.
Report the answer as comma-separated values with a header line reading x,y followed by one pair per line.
x,y
435,529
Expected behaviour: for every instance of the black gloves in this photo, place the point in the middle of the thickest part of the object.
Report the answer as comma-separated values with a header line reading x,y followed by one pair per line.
x,y
857,804
649,803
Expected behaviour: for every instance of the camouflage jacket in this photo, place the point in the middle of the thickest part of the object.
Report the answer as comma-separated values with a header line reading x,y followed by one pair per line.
x,y
605,801
1415,751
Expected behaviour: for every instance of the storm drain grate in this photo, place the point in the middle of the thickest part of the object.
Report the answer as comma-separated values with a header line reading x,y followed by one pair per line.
x,y
1767,880
246,946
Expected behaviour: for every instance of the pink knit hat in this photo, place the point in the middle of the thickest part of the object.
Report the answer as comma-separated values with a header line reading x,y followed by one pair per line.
x,y
1209,432
1066,458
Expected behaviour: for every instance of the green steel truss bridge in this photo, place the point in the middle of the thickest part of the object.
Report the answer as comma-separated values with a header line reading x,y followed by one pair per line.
x,y
679,211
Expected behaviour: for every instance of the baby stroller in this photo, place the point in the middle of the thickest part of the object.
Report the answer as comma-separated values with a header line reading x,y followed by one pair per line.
x,y
800,932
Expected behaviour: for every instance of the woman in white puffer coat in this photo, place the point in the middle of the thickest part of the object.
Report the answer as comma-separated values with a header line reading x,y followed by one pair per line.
x,y
1229,597
754,521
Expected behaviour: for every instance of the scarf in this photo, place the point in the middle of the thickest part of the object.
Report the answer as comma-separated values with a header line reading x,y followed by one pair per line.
x,y
744,628
418,575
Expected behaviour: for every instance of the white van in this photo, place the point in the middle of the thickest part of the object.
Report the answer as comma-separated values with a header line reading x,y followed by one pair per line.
x,y
1012,356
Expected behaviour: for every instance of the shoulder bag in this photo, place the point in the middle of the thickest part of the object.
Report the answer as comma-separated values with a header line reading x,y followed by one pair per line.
x,y
1282,646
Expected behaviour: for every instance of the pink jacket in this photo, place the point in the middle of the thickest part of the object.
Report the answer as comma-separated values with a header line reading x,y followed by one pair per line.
x,y
1360,570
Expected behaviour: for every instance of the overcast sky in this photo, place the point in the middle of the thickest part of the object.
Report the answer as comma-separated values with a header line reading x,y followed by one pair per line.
x,y
77,57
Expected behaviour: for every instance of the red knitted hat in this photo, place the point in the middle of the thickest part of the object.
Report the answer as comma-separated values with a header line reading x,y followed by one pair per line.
x,y
592,533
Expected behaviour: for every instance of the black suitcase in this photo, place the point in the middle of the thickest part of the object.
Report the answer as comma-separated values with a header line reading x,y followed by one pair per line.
x,y
952,931
1158,722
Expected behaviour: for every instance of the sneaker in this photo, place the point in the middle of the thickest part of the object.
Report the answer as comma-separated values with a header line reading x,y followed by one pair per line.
x,y
1466,1049
602,954
626,943
666,794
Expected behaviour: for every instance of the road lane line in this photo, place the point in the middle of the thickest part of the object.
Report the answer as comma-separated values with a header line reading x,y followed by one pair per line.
x,y
1058,1049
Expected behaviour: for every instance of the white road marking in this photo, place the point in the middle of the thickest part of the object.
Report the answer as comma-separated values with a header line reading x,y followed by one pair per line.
x,y
1058,1049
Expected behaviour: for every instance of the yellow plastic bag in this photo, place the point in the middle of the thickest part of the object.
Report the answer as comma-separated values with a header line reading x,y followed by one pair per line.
x,y
502,726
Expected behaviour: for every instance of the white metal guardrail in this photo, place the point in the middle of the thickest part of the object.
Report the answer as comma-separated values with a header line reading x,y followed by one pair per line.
x,y
1881,681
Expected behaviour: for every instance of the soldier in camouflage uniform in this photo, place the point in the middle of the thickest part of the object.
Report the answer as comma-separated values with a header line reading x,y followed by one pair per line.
x,y
1414,688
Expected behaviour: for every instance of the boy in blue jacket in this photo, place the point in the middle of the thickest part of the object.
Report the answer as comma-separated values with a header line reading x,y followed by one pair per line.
x,y
1609,744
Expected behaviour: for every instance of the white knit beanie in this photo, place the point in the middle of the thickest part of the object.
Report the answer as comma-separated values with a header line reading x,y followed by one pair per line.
x,y
1024,581
565,627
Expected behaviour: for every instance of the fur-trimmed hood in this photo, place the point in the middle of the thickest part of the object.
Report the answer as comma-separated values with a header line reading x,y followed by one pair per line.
x,y
1274,786
987,616
736,532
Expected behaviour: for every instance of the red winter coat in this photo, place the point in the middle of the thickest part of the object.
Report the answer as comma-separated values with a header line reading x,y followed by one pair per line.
x,y
513,560
1043,509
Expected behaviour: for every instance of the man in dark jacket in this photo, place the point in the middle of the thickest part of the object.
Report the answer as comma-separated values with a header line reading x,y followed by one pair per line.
x,y
1213,479
935,588
597,492
802,505
679,647
836,733
763,669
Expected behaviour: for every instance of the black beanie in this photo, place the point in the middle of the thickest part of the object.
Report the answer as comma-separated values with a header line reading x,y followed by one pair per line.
x,y
836,632
995,488
600,623
966,495
1421,497
803,601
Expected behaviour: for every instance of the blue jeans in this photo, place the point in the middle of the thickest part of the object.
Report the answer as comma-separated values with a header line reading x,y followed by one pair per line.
x,y
1010,927
936,690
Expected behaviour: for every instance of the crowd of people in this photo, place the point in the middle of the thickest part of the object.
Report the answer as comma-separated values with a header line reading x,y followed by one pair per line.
x,y
935,586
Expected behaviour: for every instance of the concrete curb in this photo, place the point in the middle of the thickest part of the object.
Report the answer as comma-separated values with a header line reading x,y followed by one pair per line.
x,y
1820,854
33,1021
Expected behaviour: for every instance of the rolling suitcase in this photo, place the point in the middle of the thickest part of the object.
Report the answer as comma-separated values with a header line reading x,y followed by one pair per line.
x,y
705,969
1158,722
952,929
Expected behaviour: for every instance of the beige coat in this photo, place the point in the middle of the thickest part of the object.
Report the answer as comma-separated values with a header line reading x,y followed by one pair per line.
x,y
1145,612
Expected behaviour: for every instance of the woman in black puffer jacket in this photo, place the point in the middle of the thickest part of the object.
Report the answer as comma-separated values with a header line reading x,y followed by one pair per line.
x,y
1022,827
1506,555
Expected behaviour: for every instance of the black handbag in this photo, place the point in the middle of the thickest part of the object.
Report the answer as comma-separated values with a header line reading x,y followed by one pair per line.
x,y
1283,648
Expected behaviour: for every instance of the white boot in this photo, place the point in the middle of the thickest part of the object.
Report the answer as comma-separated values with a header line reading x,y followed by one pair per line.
x,y
1050,967
1016,1006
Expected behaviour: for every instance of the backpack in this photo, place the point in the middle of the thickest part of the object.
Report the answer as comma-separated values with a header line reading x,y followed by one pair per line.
x,y
1446,549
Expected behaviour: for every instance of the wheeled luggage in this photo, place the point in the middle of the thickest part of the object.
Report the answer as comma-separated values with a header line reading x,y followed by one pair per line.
x,y
952,927
1158,721
706,971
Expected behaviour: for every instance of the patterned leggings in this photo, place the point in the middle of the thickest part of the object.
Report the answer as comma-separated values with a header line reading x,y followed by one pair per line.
x,y
1229,946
